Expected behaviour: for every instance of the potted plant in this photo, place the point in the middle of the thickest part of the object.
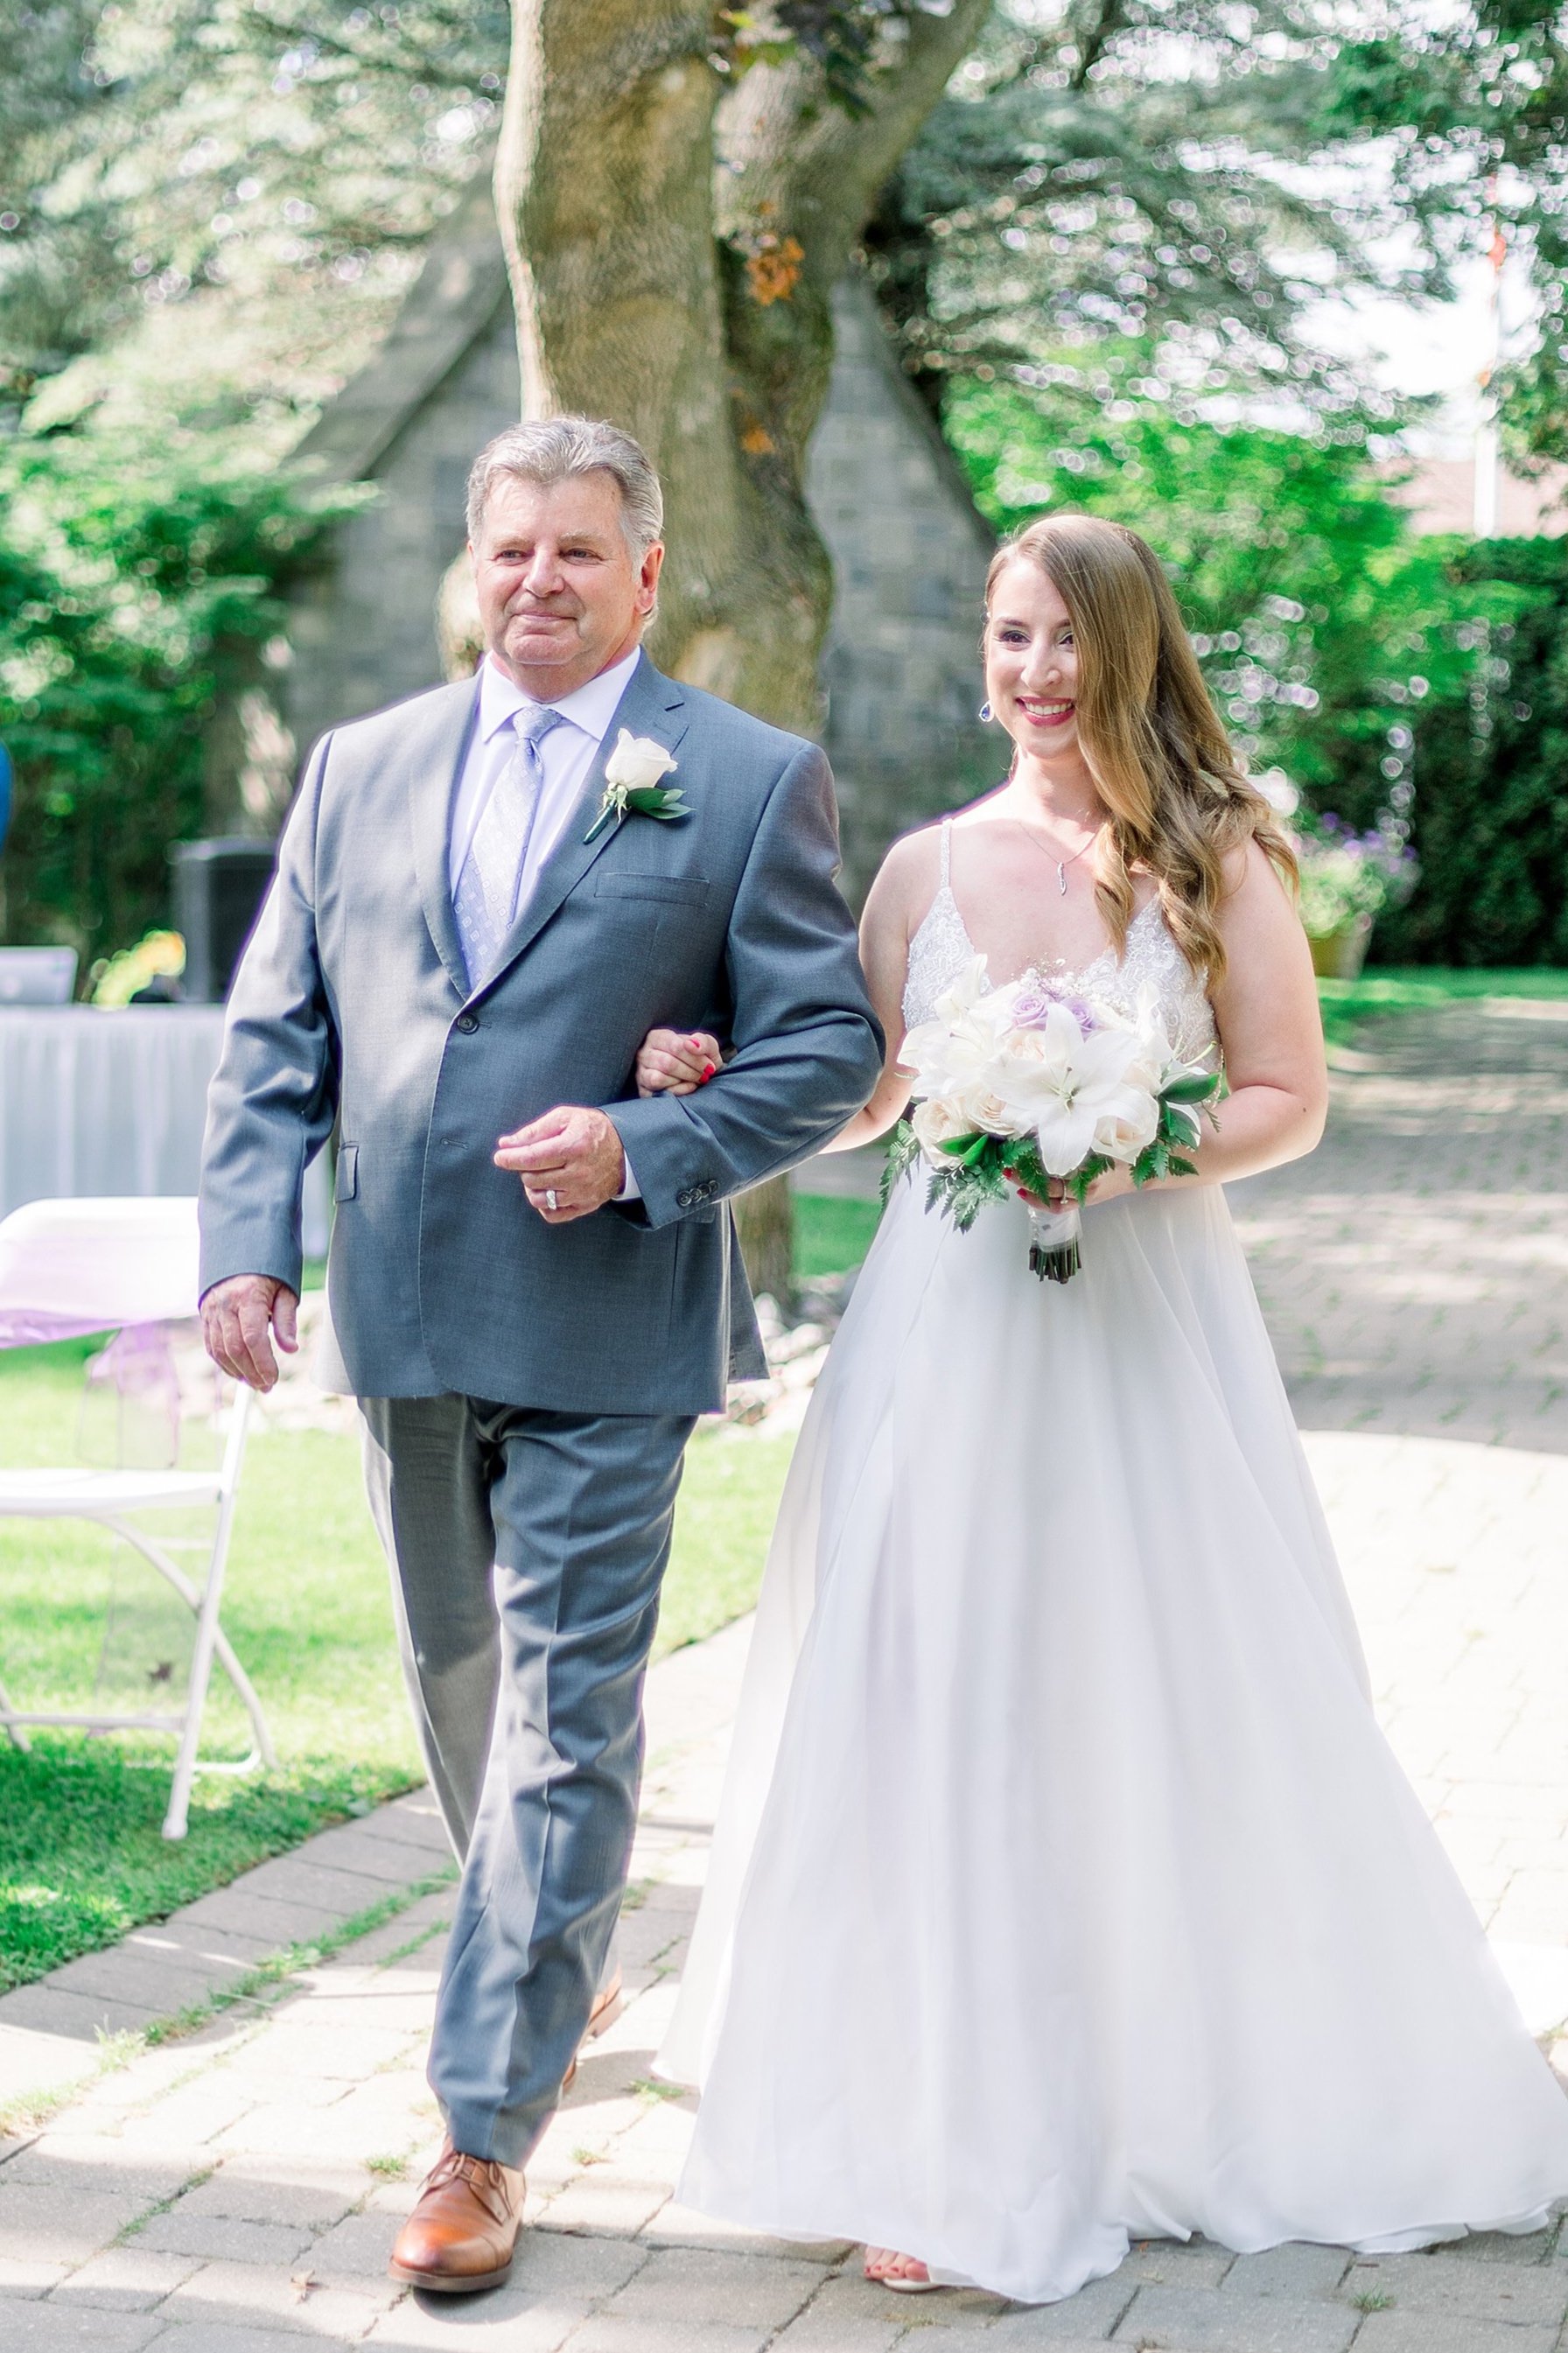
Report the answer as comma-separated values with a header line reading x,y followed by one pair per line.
x,y
1347,880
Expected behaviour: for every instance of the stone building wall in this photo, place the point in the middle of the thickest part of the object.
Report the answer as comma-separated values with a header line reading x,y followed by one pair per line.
x,y
901,667
364,630
900,671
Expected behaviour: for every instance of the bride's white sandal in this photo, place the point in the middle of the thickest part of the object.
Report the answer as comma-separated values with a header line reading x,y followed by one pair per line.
x,y
901,2284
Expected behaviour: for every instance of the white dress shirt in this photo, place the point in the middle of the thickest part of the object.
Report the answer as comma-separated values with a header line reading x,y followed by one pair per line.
x,y
565,757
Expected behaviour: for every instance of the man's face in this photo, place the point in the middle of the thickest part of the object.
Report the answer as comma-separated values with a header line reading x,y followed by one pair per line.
x,y
561,594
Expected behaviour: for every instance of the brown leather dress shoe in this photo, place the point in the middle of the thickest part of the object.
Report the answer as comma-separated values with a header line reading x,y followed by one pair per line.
x,y
462,2234
607,2007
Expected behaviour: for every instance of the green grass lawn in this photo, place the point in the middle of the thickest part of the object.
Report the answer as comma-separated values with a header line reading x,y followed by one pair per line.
x,y
1378,993
306,1608
832,1232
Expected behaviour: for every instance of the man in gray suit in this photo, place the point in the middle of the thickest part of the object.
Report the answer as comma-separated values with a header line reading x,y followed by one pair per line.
x,y
471,930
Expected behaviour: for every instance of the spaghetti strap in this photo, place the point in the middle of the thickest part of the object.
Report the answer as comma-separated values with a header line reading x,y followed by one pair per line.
x,y
946,852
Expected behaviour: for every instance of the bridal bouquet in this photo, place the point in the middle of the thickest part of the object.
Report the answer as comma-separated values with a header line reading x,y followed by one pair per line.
x,y
1031,1081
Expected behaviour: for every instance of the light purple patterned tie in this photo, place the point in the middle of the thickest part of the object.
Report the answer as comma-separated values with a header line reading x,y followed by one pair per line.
x,y
486,904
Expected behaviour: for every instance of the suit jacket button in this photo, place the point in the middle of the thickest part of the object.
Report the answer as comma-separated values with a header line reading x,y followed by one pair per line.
x,y
468,1023
684,1200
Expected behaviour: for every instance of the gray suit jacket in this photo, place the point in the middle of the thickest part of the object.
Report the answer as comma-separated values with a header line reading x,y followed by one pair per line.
x,y
352,1002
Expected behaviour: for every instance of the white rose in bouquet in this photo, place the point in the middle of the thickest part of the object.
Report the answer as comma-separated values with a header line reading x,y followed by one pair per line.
x,y
1029,1082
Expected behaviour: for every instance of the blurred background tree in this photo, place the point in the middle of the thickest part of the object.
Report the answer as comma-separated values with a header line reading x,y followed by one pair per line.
x,y
1103,254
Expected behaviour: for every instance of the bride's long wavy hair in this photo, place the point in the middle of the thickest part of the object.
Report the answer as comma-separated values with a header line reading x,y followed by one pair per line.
x,y
1177,799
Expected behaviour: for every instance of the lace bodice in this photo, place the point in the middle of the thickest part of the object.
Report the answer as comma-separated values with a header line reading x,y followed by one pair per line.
x,y
942,947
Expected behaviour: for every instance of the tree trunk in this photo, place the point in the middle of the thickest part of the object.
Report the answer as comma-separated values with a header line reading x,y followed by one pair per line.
x,y
673,244
764,1220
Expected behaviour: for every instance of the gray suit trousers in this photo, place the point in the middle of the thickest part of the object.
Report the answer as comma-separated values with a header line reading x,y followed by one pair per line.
x,y
528,1548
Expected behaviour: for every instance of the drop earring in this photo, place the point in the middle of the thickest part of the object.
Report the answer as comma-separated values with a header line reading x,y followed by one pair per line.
x,y
985,715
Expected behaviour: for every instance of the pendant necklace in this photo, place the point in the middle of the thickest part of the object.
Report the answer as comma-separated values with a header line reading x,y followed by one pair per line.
x,y
1061,864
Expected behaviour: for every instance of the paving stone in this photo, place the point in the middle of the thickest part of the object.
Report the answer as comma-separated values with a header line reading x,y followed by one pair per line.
x,y
1089,2317
29,2275
369,1855
254,2296
694,2285
1298,2269
45,2009
226,2337
64,2328
222,2239
312,2046
290,1879
604,2199
609,2332
144,1981
260,2190
101,2166
126,2279
223,1952
275,1925
51,2224
1206,2320
974,2338
681,2226
556,2284
1177,2263
1449,2332
1511,2291
1501,2247
196,2113
840,2318
357,2248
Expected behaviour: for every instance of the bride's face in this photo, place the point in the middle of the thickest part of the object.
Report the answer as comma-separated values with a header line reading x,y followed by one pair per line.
x,y
1031,662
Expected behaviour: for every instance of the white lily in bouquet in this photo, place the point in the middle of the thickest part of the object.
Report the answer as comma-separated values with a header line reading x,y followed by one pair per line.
x,y
1017,1086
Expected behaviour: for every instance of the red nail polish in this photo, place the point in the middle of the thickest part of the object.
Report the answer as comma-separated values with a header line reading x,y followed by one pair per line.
x,y
708,1070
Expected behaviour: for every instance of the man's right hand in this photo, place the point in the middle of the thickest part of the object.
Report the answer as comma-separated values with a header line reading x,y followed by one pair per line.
x,y
241,1318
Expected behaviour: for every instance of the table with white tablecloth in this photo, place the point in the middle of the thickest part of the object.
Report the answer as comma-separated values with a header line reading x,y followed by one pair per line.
x,y
99,1101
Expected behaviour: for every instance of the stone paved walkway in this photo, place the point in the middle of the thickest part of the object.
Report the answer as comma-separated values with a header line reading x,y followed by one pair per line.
x,y
235,2190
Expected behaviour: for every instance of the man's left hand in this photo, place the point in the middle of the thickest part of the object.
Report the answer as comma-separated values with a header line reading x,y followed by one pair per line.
x,y
570,1161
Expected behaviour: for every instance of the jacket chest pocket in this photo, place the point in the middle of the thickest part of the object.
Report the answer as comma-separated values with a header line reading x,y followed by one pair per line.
x,y
670,890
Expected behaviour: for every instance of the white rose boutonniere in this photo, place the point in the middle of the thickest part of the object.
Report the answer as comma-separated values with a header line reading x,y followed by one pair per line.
x,y
632,786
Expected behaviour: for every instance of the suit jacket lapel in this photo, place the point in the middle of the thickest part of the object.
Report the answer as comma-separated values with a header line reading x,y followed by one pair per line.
x,y
652,705
435,763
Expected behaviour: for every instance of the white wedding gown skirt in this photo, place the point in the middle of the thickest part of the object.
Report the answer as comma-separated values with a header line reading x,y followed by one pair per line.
x,y
1065,1889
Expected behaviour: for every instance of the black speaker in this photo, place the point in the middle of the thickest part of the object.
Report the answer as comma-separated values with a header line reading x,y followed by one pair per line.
x,y
218,890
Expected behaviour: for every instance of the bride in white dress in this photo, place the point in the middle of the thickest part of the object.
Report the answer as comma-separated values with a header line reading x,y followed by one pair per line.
x,y
1065,1891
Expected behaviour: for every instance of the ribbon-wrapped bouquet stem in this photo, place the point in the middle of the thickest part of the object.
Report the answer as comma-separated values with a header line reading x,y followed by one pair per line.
x,y
1016,1086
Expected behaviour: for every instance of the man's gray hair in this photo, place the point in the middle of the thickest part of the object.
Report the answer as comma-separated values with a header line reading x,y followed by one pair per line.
x,y
550,450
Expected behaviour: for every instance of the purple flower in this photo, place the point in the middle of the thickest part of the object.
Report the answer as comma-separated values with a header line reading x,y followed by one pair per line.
x,y
1038,996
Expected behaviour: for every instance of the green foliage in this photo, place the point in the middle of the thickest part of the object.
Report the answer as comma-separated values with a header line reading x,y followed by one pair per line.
x,y
1394,679
1491,754
130,576
1107,195
154,155
1308,595
1469,106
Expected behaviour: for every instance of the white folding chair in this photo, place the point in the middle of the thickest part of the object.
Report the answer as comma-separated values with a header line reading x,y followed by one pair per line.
x,y
77,1266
